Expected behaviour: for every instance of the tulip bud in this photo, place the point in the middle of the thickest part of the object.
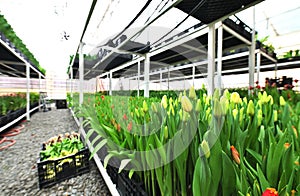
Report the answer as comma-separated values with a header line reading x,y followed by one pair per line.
x,y
192,93
234,113
264,98
259,95
164,101
259,117
282,101
275,115
250,108
295,131
166,133
153,107
207,101
216,94
137,112
171,110
180,114
186,104
171,101
179,97
145,106
226,94
241,114
217,108
224,104
235,155
205,148
198,106
208,111
245,100
235,98
271,99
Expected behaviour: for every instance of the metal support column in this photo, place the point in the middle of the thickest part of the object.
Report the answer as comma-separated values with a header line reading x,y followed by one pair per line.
x,y
258,57
39,90
220,54
27,91
211,58
139,73
252,55
110,83
194,70
81,80
146,75
71,82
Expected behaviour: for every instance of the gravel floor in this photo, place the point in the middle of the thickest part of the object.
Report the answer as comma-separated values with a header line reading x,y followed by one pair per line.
x,y
18,168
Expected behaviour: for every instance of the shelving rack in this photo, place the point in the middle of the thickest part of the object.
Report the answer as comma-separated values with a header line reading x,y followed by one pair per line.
x,y
14,64
235,43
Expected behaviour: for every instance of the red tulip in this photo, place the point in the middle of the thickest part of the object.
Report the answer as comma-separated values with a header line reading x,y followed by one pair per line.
x,y
258,86
102,97
129,126
270,192
251,88
296,81
125,117
256,82
235,154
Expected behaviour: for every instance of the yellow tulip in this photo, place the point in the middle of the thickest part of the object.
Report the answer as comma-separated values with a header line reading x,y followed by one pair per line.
x,y
205,147
250,108
282,101
192,93
235,98
186,104
164,101
234,113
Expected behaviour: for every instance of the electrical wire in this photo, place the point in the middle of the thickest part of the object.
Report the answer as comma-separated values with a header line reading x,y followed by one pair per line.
x,y
156,10
189,14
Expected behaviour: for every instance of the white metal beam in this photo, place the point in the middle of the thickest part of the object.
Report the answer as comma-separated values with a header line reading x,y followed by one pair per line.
x,y
211,59
229,30
219,60
146,75
138,78
258,62
27,91
252,54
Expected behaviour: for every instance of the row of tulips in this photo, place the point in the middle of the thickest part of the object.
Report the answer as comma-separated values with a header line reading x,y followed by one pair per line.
x,y
201,145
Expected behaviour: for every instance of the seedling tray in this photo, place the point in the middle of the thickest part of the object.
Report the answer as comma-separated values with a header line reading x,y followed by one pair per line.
x,y
51,172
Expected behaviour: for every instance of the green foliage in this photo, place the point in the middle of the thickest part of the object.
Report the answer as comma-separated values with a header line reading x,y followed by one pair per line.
x,y
9,33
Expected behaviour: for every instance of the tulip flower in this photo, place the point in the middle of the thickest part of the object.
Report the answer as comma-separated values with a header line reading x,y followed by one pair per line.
x,y
192,93
186,104
137,112
271,99
153,107
245,100
282,101
164,101
216,94
179,97
295,131
241,114
275,115
235,98
171,110
259,117
166,133
264,98
145,106
129,126
293,192
217,108
234,113
198,106
224,104
205,147
250,108
102,97
286,145
125,117
235,155
270,192
226,94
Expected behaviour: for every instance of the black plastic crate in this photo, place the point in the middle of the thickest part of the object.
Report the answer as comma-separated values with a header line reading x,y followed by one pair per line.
x,y
51,172
61,104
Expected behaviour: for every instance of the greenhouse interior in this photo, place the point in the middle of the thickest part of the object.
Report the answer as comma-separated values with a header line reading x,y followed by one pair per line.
x,y
160,97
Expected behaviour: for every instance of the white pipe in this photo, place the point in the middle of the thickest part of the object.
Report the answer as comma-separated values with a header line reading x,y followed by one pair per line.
x,y
146,75
27,91
211,59
220,54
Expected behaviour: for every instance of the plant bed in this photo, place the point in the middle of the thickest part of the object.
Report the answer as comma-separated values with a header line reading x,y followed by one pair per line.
x,y
130,187
61,159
